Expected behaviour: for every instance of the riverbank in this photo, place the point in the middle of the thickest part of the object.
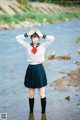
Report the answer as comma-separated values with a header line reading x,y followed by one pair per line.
x,y
72,79
30,19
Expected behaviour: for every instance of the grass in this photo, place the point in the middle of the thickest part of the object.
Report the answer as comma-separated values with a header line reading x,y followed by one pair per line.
x,y
40,17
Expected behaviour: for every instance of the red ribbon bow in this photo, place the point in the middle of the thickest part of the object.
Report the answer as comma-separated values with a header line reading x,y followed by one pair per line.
x,y
34,50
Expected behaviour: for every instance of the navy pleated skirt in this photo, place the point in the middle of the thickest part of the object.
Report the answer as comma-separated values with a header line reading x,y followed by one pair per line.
x,y
35,76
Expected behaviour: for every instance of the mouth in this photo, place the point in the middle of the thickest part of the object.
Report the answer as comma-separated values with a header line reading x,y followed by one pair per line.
x,y
35,42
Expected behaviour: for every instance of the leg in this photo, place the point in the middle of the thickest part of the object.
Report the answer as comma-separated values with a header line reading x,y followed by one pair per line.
x,y
31,92
43,98
42,92
31,99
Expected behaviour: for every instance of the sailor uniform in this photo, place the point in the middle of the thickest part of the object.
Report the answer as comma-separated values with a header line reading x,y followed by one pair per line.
x,y
35,76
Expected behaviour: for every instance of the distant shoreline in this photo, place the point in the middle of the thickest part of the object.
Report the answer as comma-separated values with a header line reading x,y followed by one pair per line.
x,y
30,19
14,15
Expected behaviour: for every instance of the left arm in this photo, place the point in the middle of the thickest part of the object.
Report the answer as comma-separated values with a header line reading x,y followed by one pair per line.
x,y
48,40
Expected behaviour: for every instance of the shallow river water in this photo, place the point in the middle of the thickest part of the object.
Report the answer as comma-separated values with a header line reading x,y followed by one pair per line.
x,y
13,94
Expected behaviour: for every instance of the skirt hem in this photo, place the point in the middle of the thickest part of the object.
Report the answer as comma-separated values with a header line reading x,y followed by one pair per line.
x,y
35,87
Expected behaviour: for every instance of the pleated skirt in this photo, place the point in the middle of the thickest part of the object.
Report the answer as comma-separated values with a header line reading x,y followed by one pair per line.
x,y
35,76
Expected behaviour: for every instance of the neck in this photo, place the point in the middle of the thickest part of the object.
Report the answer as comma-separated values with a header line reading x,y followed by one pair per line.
x,y
35,45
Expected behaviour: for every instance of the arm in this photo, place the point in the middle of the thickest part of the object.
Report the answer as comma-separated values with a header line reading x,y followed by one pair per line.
x,y
20,40
49,39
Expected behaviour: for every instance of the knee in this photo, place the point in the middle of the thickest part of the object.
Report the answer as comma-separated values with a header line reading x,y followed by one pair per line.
x,y
42,92
42,95
31,94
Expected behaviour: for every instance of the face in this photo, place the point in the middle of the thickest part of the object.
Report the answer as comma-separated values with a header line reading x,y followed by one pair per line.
x,y
35,40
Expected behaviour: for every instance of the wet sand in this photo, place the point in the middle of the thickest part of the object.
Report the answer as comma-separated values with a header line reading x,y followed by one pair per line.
x,y
72,79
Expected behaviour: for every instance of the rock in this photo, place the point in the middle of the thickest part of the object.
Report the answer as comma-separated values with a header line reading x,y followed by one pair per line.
x,y
68,98
65,57
51,57
75,62
16,26
24,24
4,26
78,103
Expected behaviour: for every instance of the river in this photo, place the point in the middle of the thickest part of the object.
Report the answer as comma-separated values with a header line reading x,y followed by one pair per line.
x,y
13,94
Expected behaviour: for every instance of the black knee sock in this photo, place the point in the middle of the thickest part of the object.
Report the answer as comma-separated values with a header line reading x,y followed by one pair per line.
x,y
43,104
31,104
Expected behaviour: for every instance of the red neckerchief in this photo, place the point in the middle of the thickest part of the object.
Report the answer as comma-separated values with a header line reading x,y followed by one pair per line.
x,y
34,50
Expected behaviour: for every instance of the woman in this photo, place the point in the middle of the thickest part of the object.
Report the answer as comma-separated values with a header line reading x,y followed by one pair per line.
x,y
35,76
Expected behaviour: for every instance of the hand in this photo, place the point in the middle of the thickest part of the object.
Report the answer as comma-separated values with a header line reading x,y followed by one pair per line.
x,y
31,32
39,33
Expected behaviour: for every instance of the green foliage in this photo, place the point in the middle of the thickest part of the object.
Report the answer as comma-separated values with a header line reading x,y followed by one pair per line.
x,y
6,18
40,17
60,2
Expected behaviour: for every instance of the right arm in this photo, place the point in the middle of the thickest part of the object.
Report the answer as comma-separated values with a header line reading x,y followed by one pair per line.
x,y
20,40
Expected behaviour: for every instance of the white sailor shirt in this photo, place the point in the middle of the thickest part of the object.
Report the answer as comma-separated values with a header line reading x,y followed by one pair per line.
x,y
40,55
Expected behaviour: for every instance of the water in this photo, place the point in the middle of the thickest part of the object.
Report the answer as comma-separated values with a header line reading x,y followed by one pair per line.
x,y
13,94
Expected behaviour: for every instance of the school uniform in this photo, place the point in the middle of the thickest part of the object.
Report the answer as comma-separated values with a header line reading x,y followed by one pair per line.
x,y
35,76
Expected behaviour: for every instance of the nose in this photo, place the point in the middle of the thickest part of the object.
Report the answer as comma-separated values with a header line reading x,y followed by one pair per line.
x,y
35,40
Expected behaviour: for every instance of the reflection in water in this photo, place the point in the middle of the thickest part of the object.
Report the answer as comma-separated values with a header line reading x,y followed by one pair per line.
x,y
43,117
31,117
